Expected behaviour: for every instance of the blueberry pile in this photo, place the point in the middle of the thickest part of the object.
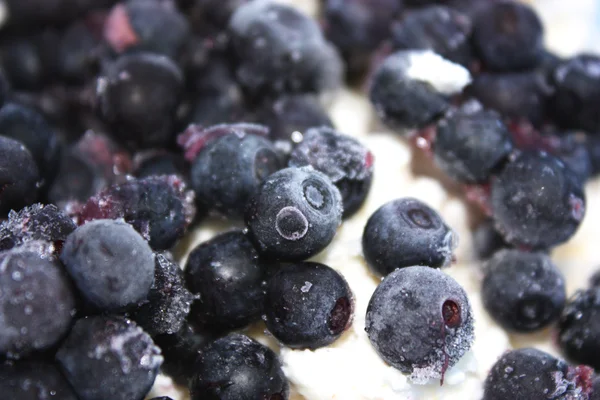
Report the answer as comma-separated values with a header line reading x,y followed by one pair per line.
x,y
127,124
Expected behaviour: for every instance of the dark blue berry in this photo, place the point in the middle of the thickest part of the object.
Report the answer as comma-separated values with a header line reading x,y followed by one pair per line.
x,y
34,380
537,201
236,367
227,275
419,320
593,148
109,358
470,144
22,63
573,150
308,305
230,168
156,163
4,88
407,232
342,158
508,35
487,240
19,178
523,291
294,215
79,54
595,394
110,263
37,301
531,374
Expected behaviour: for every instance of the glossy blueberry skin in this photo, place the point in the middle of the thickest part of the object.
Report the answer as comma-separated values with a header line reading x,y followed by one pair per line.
x,y
469,145
579,328
523,291
342,158
19,176
294,215
308,305
227,275
419,320
402,102
228,171
110,263
537,201
236,367
37,300
527,373
34,380
508,35
406,232
108,357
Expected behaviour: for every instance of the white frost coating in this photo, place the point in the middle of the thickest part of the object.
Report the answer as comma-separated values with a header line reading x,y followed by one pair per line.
x,y
445,76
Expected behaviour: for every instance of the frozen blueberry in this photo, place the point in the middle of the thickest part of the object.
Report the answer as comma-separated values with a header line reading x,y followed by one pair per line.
x,y
110,263
22,63
487,240
230,168
593,148
212,15
537,201
139,95
407,232
19,178
34,380
531,374
108,357
227,275
573,149
419,320
442,29
577,93
156,163
37,222
342,158
294,215
595,394
160,208
523,291
79,55
236,367
471,144
280,49
308,305
37,301
579,328
168,303
508,35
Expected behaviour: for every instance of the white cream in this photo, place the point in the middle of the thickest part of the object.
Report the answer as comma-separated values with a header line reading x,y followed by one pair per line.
x,y
444,75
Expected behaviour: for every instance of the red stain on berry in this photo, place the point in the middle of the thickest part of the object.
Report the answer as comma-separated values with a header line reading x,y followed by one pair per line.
x,y
480,196
118,31
583,376
369,159
340,316
577,207
424,138
451,314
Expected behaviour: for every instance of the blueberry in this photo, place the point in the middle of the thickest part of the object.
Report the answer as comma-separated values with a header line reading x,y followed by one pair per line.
x,y
577,93
579,328
537,201
168,303
572,149
487,240
79,56
110,263
138,95
593,148
236,367
227,275
159,207
419,320
407,232
508,35
530,374
342,158
29,127
22,64
34,380
160,163
37,301
294,215
109,358
595,395
281,50
308,305
442,29
4,88
19,176
471,144
229,170
523,291
212,15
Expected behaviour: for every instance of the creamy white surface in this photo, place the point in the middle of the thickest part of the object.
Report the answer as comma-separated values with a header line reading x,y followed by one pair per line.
x,y
445,76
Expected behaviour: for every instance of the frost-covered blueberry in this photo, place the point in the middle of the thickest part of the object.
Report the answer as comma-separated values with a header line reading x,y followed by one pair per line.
x,y
110,263
34,380
407,232
107,357
419,320
294,215
537,201
342,158
236,367
523,291
308,305
19,176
